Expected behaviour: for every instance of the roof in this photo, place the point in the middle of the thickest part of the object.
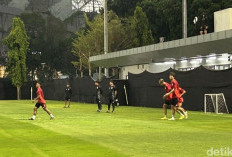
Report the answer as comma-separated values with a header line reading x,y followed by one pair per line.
x,y
218,43
10,10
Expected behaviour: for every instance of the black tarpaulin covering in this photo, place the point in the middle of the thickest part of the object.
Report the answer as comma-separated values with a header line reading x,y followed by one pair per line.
x,y
144,89
7,90
83,90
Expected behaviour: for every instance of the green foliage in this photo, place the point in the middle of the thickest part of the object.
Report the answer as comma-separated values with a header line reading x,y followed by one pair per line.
x,y
165,16
123,8
207,7
17,42
143,35
50,43
36,30
90,41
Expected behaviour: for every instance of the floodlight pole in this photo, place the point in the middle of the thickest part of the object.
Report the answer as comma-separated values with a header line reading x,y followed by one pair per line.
x,y
106,46
184,18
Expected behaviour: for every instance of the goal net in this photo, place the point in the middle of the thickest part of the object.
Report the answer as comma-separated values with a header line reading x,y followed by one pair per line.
x,y
215,103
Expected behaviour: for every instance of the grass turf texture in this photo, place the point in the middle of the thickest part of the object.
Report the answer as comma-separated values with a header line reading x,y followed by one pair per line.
x,y
130,131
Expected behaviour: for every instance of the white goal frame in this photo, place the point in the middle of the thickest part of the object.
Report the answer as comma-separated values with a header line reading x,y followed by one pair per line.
x,y
215,105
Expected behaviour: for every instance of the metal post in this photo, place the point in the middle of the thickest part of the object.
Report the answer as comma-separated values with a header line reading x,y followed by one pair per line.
x,y
184,18
106,47
126,94
205,104
99,73
216,110
31,93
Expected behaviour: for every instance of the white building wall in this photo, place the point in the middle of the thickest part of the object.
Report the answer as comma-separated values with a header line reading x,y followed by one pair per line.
x,y
160,67
223,20
135,69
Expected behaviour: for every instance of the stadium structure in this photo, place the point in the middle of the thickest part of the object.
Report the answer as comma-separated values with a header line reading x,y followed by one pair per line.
x,y
212,51
62,9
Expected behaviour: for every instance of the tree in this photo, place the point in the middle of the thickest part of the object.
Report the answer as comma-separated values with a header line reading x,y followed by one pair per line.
x,y
165,16
53,56
123,8
50,43
36,30
90,41
140,26
17,42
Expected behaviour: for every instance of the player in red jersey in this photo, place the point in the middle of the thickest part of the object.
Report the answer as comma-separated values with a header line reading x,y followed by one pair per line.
x,y
40,102
167,99
175,93
179,107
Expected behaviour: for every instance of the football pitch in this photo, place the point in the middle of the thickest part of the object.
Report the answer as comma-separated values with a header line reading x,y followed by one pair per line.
x,y
130,131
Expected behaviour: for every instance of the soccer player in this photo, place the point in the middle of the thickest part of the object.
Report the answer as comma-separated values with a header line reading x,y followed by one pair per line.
x,y
167,99
112,96
68,95
180,102
174,92
98,96
40,102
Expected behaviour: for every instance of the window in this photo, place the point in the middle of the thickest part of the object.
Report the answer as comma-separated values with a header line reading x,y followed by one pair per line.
x,y
186,69
219,67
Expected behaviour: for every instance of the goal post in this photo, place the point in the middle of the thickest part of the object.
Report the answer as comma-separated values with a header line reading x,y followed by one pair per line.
x,y
215,103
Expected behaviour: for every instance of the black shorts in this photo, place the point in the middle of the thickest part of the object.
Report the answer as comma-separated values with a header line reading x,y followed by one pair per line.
x,y
167,102
40,104
111,101
67,98
174,101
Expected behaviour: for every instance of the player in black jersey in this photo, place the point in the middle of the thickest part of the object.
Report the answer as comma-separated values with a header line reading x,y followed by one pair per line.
x,y
112,96
68,95
98,96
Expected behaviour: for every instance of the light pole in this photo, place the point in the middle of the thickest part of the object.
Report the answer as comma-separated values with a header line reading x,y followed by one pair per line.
x,y
106,47
184,18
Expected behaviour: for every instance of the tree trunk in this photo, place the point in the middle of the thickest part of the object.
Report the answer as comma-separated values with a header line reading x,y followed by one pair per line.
x,y
81,68
18,92
81,74
90,71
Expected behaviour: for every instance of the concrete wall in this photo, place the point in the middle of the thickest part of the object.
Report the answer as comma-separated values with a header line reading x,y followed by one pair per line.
x,y
223,20
6,15
62,9
59,8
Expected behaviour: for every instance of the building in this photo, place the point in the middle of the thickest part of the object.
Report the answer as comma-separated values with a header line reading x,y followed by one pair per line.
x,y
210,50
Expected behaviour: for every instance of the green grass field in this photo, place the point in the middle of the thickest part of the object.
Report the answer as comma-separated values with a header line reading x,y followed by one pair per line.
x,y
130,131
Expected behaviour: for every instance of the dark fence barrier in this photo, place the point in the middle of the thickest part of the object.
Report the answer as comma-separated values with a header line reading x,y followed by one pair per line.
x,y
7,91
142,89
83,90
